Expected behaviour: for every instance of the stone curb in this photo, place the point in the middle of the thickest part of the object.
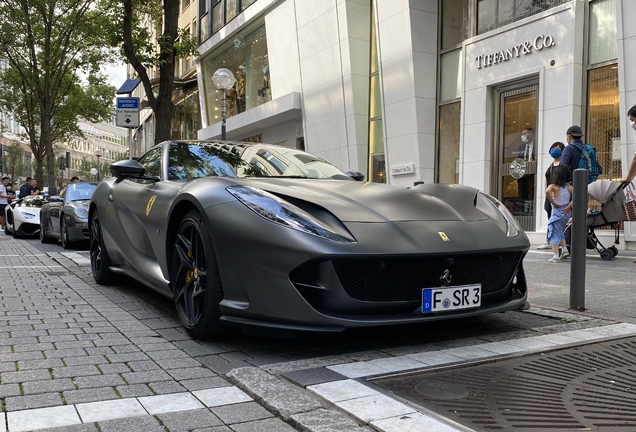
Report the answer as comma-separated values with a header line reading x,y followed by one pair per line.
x,y
294,406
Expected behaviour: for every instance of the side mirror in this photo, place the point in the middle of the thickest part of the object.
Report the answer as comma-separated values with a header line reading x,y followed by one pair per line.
x,y
357,176
130,169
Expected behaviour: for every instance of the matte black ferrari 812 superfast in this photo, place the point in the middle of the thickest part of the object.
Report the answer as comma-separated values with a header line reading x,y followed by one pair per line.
x,y
255,235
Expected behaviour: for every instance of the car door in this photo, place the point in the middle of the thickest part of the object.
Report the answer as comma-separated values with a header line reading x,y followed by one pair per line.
x,y
127,209
54,212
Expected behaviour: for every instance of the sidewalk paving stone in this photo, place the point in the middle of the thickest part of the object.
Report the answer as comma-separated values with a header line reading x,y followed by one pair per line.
x,y
89,395
243,412
109,410
48,386
189,420
18,403
41,418
170,403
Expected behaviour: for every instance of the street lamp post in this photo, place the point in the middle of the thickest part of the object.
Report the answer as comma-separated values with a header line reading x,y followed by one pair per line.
x,y
98,154
223,79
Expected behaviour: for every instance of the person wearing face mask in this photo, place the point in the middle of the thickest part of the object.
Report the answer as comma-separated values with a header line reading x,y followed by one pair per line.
x,y
631,172
572,154
527,148
556,150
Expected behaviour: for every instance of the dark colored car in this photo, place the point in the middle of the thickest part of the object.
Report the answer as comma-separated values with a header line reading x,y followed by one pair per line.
x,y
244,235
65,216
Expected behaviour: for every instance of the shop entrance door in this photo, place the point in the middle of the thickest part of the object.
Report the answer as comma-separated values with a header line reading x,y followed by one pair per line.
x,y
517,150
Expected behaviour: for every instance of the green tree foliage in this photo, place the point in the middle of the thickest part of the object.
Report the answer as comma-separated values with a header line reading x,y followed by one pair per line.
x,y
144,49
12,161
54,50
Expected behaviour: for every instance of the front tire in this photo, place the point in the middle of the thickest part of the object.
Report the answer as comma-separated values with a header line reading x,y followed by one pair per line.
x,y
66,242
195,280
100,262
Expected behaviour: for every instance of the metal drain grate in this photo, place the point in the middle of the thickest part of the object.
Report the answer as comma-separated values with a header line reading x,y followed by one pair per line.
x,y
592,387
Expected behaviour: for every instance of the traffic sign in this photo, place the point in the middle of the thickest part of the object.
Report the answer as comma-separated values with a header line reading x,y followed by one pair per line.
x,y
128,103
127,112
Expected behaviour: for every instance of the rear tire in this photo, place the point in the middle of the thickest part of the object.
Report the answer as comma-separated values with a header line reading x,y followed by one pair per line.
x,y
100,262
44,237
606,255
66,242
195,280
614,250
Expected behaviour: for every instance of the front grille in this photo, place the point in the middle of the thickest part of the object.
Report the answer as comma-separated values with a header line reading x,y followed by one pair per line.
x,y
384,280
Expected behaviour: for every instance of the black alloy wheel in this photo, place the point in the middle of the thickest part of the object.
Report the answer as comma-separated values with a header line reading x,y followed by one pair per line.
x,y
194,279
99,257
66,242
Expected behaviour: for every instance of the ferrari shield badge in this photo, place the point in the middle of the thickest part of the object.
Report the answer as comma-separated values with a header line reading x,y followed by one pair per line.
x,y
518,168
443,235
151,201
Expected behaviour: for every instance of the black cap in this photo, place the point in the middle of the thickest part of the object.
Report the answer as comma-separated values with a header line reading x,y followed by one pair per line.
x,y
574,131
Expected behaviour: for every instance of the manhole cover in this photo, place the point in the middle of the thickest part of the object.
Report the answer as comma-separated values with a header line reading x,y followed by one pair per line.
x,y
592,387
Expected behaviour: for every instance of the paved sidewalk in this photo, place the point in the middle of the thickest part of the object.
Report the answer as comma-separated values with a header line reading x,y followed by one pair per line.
x,y
76,356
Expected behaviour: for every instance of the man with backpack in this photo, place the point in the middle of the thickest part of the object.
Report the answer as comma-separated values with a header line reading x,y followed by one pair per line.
x,y
577,154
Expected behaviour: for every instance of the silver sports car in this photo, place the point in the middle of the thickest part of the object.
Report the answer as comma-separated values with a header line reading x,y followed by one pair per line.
x,y
23,216
65,216
244,235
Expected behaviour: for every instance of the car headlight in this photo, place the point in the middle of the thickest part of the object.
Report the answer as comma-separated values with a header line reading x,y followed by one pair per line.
x,y
28,215
279,211
498,212
81,212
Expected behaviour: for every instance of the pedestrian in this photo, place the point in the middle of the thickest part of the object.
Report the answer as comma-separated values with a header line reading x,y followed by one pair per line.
x,y
3,200
75,179
556,150
26,188
36,189
572,153
559,192
631,172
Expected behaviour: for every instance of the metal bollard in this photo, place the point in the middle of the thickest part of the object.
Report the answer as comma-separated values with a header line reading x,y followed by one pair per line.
x,y
578,239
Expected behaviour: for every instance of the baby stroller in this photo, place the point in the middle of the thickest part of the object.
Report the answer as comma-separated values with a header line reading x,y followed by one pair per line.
x,y
611,196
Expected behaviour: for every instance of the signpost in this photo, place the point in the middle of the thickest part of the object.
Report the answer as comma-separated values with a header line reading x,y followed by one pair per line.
x,y
127,112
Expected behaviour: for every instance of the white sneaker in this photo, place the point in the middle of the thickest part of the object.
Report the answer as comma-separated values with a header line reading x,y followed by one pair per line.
x,y
544,246
554,260
564,255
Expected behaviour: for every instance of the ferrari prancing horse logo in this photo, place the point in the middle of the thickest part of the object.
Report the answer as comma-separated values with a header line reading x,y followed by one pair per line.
x,y
151,201
443,235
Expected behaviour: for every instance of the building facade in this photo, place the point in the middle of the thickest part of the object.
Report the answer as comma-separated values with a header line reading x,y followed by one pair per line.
x,y
426,90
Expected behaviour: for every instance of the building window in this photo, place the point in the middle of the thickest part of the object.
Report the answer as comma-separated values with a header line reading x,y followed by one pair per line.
x,y
246,56
450,75
603,119
186,117
454,23
496,13
602,43
448,145
377,163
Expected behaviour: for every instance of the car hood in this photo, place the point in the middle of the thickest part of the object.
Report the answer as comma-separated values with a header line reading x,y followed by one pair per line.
x,y
373,202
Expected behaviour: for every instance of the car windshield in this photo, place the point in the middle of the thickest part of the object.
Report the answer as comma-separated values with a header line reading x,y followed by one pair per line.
x,y
193,160
80,191
33,201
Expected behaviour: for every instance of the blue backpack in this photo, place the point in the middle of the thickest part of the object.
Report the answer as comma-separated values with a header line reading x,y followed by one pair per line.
x,y
589,162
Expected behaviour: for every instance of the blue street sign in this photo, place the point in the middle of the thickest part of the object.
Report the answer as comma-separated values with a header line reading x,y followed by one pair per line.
x,y
127,103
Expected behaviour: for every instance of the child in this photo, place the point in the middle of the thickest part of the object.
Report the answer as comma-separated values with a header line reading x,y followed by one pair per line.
x,y
559,193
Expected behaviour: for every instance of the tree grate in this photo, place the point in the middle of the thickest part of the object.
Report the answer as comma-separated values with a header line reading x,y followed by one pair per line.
x,y
591,387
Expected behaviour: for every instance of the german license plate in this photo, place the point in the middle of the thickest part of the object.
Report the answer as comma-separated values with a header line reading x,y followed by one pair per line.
x,y
451,298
